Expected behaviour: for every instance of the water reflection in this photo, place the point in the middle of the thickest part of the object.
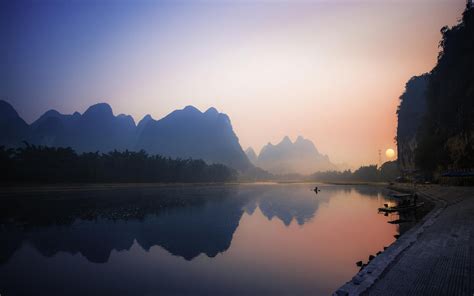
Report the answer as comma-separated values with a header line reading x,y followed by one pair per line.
x,y
185,221
95,223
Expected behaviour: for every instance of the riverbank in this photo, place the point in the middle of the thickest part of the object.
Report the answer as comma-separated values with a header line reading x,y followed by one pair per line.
x,y
68,187
435,257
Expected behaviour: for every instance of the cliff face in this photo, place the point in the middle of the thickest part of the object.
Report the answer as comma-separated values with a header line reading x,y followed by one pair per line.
x,y
436,113
446,137
410,114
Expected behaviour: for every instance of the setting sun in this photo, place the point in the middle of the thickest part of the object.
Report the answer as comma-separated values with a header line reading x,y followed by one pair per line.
x,y
390,153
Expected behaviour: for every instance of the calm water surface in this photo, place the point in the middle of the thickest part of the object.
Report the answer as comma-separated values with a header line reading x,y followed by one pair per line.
x,y
256,239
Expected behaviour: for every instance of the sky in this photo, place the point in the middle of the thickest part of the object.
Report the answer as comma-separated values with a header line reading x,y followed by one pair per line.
x,y
331,71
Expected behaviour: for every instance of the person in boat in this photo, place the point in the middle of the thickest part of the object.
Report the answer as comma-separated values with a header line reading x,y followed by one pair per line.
x,y
316,189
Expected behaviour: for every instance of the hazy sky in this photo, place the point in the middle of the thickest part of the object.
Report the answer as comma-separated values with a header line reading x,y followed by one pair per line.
x,y
331,71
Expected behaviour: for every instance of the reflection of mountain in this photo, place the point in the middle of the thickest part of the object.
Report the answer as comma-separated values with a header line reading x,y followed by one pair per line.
x,y
288,203
185,221
288,206
185,232
184,224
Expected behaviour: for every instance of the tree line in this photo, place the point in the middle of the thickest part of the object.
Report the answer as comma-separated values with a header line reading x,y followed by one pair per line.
x,y
371,173
39,164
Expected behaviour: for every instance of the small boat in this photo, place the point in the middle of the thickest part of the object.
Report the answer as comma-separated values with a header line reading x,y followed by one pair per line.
x,y
388,209
401,208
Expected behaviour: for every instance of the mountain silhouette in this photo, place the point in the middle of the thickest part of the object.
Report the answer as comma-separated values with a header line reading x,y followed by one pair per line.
x,y
13,129
186,133
53,129
252,156
95,130
143,123
300,157
189,133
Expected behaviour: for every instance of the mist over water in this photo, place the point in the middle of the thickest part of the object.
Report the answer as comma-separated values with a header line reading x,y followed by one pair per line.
x,y
230,239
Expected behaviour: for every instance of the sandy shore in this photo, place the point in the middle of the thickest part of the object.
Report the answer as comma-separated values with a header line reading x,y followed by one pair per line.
x,y
436,257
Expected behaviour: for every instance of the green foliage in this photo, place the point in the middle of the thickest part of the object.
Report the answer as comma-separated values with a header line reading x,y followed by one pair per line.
x,y
37,164
446,136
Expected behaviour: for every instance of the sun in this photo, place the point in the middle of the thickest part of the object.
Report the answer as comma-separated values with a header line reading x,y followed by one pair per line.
x,y
390,153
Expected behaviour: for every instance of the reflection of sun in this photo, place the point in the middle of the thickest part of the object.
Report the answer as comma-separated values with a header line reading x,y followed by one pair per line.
x,y
390,153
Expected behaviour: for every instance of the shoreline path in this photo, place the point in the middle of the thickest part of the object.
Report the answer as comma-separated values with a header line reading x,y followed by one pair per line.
x,y
435,257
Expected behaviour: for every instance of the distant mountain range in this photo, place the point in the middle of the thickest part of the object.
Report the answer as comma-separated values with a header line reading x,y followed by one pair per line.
x,y
186,133
300,157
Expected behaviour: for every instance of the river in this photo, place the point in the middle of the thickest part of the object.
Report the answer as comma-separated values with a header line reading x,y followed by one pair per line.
x,y
247,239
